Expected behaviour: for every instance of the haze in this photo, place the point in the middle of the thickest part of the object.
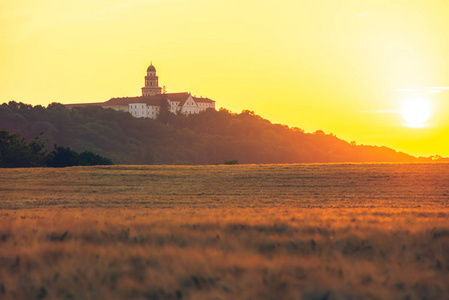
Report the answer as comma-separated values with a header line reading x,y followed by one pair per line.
x,y
345,67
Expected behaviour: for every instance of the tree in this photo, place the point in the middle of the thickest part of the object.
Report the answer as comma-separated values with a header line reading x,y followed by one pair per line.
x,y
88,158
62,157
65,157
15,152
164,114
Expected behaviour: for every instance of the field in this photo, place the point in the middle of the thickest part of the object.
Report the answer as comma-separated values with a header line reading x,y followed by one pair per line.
x,y
330,231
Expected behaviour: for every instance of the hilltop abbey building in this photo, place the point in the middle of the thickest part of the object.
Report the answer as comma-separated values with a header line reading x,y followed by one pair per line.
x,y
149,104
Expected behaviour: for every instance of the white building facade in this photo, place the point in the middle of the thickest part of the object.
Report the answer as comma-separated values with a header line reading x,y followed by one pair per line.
x,y
177,103
149,105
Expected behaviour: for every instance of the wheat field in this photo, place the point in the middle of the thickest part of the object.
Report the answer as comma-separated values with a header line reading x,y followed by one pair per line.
x,y
306,231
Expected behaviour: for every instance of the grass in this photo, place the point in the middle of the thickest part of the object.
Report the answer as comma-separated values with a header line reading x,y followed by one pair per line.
x,y
377,231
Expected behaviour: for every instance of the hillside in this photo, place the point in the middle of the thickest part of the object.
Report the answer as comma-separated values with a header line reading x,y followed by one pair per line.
x,y
207,138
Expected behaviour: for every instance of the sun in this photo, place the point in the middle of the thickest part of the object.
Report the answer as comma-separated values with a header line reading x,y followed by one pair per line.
x,y
416,111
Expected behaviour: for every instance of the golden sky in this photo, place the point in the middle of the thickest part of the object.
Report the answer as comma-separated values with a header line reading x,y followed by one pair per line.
x,y
353,68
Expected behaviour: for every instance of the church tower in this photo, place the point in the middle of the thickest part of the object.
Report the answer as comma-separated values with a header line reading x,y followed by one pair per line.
x,y
151,87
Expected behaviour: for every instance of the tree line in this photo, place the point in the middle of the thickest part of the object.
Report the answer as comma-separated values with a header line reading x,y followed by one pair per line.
x,y
17,152
209,137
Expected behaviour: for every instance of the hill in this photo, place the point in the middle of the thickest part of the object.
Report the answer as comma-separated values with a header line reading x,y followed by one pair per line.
x,y
206,138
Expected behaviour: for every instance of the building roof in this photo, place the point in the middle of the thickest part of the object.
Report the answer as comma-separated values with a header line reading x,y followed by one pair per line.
x,y
149,100
123,101
178,97
203,100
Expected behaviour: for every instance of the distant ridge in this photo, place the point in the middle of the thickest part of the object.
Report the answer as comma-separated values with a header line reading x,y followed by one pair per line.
x,y
209,137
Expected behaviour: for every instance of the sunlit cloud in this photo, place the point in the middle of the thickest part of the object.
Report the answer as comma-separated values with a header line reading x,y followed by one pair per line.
x,y
418,126
428,90
381,111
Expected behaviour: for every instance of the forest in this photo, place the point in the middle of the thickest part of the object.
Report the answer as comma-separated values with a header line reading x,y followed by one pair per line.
x,y
211,137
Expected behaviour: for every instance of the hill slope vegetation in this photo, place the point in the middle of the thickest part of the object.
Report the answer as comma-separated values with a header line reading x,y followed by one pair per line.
x,y
207,138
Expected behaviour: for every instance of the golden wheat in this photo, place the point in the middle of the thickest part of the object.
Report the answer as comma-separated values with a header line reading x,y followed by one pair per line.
x,y
376,231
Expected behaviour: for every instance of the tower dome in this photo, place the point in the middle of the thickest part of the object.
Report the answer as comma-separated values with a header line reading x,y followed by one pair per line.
x,y
151,68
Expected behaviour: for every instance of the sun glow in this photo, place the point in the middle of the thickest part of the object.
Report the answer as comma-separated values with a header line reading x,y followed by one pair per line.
x,y
292,62
416,111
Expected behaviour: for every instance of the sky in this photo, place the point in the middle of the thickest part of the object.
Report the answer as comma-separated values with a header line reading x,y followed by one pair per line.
x,y
375,72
